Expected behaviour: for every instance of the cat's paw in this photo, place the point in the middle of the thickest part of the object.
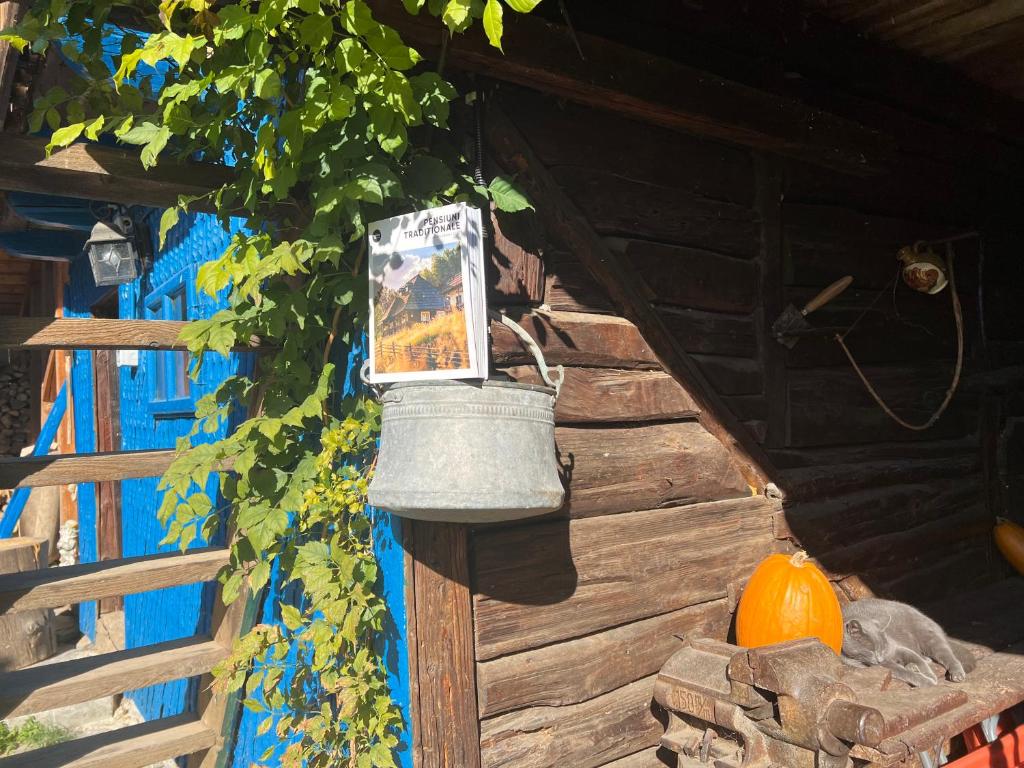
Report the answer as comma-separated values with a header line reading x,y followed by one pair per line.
x,y
957,677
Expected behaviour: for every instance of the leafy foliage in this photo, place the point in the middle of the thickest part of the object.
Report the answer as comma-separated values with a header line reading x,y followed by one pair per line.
x,y
31,734
330,121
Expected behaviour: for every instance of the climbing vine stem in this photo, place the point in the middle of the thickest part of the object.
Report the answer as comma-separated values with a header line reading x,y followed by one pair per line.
x,y
329,121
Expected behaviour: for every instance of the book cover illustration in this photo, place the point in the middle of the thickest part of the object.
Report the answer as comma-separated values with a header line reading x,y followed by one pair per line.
x,y
425,313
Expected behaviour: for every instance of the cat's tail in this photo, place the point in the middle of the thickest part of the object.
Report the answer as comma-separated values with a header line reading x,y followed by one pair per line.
x,y
964,656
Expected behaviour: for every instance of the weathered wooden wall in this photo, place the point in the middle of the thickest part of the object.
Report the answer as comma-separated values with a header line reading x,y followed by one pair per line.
x,y
573,613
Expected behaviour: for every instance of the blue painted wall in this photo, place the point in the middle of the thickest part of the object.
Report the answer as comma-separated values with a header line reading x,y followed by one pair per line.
x,y
79,296
150,421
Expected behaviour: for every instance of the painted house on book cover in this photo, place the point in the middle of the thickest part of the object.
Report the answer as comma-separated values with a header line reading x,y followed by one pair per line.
x,y
685,196
418,301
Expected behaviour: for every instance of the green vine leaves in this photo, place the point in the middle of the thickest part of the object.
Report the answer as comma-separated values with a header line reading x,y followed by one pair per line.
x,y
328,121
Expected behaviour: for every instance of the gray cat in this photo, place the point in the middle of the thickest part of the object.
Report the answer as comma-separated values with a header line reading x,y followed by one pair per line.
x,y
902,639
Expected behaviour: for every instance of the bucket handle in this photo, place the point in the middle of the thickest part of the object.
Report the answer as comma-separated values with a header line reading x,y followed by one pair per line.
x,y
534,349
528,342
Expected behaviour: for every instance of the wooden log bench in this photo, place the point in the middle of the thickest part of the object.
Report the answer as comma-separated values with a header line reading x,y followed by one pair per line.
x,y
796,704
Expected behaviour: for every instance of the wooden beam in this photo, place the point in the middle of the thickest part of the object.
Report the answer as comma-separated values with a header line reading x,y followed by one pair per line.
x,y
547,582
94,333
573,338
585,735
60,684
445,715
54,587
220,711
138,745
98,172
565,220
578,670
89,333
592,395
764,44
658,90
34,471
10,14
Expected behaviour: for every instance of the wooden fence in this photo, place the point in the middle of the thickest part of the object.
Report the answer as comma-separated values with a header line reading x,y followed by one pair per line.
x,y
203,735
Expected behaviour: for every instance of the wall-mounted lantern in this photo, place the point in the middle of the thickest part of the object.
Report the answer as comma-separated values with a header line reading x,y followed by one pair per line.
x,y
113,251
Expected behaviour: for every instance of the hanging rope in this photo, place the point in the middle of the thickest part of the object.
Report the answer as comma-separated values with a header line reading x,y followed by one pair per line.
x,y
958,316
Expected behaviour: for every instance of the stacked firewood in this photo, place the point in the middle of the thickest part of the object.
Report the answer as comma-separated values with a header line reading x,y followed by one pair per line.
x,y
15,410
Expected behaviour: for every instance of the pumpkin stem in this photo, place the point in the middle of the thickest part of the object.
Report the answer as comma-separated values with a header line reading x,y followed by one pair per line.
x,y
798,559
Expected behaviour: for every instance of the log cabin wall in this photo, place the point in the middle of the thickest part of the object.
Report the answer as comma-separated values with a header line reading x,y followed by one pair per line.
x,y
565,619
575,612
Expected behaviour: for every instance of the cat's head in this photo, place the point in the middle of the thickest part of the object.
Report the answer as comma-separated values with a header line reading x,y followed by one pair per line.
x,y
864,640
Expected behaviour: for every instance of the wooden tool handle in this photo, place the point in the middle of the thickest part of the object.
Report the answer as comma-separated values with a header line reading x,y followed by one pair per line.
x,y
827,295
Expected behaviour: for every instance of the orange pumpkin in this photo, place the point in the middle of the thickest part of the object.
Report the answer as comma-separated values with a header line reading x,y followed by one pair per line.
x,y
788,598
1010,542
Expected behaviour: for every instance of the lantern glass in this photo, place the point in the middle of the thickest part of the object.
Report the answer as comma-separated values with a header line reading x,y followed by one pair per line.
x,y
113,257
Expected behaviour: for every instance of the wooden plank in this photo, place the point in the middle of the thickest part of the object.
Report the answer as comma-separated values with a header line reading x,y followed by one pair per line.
x,y
690,277
551,581
622,469
731,375
710,333
54,587
577,670
831,406
219,711
842,60
570,287
825,242
93,333
790,458
107,399
412,640
846,519
893,555
622,207
99,172
10,13
28,637
916,326
134,746
563,218
62,683
648,758
591,395
771,354
573,338
571,135
582,735
32,471
828,480
515,272
542,55
446,715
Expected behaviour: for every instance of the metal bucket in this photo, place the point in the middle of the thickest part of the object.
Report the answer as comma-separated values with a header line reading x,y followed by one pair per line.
x,y
469,451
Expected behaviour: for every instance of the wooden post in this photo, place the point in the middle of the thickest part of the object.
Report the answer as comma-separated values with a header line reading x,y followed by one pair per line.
x,y
28,636
442,664
219,712
10,14
773,356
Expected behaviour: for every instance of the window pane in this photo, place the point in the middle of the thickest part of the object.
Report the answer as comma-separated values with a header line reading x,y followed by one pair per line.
x,y
161,375
180,374
172,367
176,306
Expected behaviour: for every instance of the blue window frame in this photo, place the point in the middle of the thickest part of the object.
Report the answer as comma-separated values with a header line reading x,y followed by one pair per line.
x,y
170,388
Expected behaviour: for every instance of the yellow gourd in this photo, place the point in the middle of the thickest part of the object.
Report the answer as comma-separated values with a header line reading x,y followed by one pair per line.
x,y
1010,542
788,598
